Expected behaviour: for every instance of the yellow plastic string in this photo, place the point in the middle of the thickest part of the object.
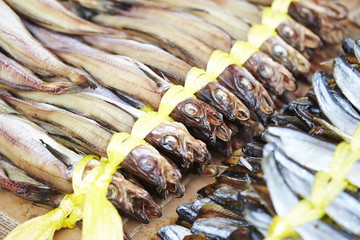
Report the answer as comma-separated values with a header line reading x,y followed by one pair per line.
x,y
197,78
242,51
272,18
259,33
326,187
218,62
173,96
147,122
121,144
282,5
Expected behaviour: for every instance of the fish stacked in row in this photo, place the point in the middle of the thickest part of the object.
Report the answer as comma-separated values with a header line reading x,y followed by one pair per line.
x,y
229,208
83,101
300,142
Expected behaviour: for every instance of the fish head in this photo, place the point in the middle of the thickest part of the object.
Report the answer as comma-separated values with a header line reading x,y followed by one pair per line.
x,y
272,74
283,53
174,139
201,118
132,199
224,101
254,94
173,180
298,36
305,15
146,163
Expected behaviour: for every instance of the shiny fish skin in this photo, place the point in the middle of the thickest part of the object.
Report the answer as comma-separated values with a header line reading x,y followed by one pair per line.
x,y
308,151
18,42
330,107
217,227
173,232
302,147
346,76
284,200
344,209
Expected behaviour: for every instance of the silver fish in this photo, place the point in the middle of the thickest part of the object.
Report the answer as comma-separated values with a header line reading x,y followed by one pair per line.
x,y
308,151
284,199
348,80
344,209
330,107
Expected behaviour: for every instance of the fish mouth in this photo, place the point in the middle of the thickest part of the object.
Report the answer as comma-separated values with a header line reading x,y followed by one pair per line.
x,y
143,210
175,189
266,104
199,153
223,132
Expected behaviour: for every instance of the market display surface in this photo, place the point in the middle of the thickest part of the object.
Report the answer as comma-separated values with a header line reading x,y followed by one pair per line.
x,y
112,108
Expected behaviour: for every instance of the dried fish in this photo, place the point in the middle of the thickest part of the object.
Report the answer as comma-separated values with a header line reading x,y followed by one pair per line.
x,y
347,76
144,84
144,161
344,209
17,76
18,182
19,43
169,137
330,106
57,17
284,199
213,93
173,232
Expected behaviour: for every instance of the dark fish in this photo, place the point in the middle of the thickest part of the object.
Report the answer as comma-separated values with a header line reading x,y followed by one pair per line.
x,y
217,227
173,232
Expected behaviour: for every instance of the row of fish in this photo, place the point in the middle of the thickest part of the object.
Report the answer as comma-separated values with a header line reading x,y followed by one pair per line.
x,y
77,91
270,176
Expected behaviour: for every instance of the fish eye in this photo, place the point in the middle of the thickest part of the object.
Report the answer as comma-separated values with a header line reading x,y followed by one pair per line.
x,y
146,164
305,12
288,32
246,83
221,95
191,109
112,192
266,71
280,51
169,142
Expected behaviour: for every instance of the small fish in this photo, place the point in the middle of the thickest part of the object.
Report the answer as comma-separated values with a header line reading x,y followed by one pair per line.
x,y
57,17
333,109
347,79
18,42
272,75
132,200
286,55
17,76
284,199
344,209
217,227
298,36
144,83
18,182
307,151
173,232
